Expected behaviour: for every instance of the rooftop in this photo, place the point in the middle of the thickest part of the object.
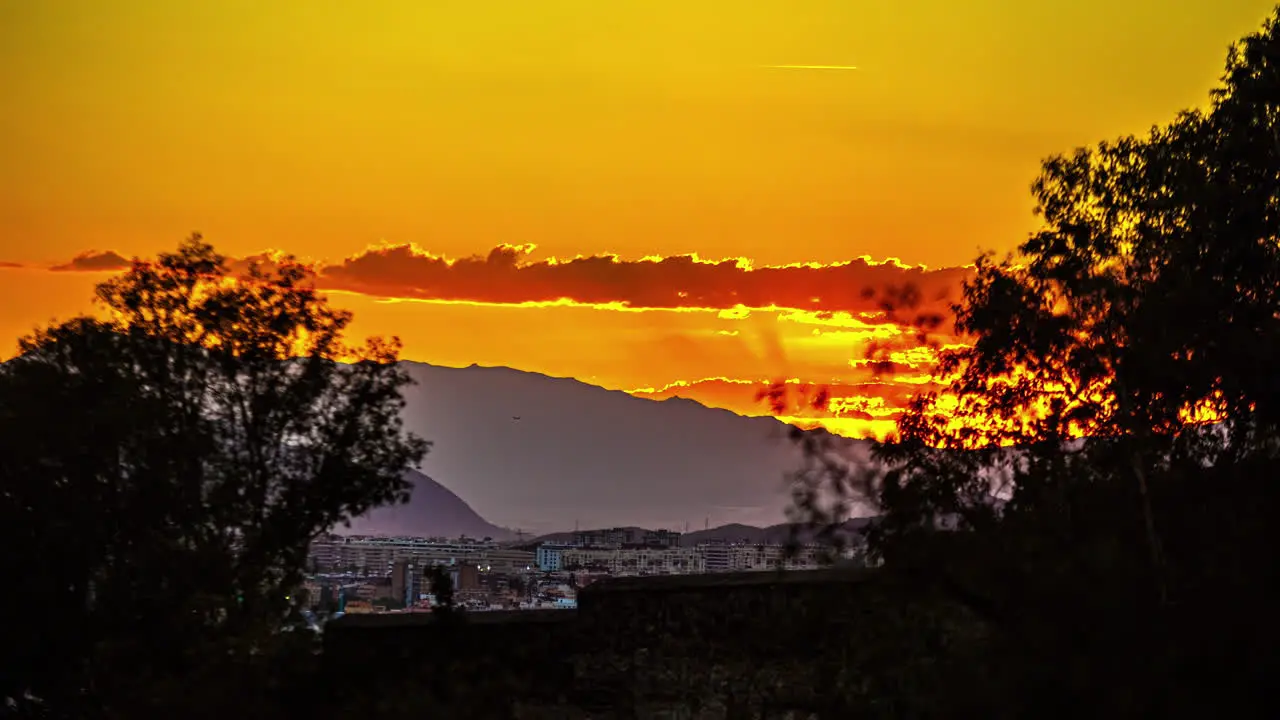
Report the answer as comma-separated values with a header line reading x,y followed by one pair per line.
x,y
652,583
412,619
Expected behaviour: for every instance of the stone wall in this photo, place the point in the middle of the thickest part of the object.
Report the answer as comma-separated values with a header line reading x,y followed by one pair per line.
x,y
826,643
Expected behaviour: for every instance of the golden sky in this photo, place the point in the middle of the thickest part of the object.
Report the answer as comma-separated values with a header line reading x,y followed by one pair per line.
x,y
373,137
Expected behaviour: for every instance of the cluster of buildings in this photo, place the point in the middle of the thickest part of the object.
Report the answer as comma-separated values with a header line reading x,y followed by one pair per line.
x,y
628,559
377,555
353,574
374,574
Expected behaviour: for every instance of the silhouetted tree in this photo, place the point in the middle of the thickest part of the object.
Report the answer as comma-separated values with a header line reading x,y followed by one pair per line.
x,y
1098,480
517,584
442,588
165,466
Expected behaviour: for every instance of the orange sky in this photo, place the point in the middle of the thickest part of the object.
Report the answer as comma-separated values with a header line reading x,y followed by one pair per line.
x,y
370,137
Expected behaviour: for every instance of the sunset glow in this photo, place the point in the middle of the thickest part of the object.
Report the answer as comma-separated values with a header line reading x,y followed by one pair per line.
x,y
622,193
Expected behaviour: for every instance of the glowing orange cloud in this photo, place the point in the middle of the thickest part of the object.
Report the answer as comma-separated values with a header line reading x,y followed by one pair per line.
x,y
94,261
845,294
851,296
857,401
868,403
733,324
857,287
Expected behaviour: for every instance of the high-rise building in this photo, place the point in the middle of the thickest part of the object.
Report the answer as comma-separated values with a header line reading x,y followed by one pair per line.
x,y
466,577
404,582
548,556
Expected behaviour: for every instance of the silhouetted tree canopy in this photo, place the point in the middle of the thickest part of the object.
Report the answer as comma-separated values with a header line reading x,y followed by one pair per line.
x,y
165,466
441,581
1098,479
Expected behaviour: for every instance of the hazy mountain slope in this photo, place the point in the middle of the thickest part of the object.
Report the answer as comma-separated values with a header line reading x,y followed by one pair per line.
x,y
567,536
580,455
736,533
732,533
435,511
774,534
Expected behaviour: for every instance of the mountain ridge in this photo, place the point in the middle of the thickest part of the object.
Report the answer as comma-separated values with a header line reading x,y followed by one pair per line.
x,y
674,399
778,534
533,452
441,513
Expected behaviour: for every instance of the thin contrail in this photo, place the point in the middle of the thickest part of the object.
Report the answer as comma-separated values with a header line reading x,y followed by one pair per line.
x,y
811,67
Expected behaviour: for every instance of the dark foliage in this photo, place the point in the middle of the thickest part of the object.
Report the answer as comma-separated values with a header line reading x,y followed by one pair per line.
x,y
442,588
1098,480
164,468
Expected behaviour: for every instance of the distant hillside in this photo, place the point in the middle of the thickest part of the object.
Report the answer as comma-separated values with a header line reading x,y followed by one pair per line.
x,y
541,454
771,535
567,537
732,533
738,533
434,511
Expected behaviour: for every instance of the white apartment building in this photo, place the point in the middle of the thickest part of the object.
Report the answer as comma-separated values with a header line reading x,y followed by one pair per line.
x,y
635,561
743,557
680,561
376,556
550,556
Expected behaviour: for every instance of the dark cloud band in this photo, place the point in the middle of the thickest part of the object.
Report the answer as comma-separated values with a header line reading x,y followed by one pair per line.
x,y
506,276
683,281
94,261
